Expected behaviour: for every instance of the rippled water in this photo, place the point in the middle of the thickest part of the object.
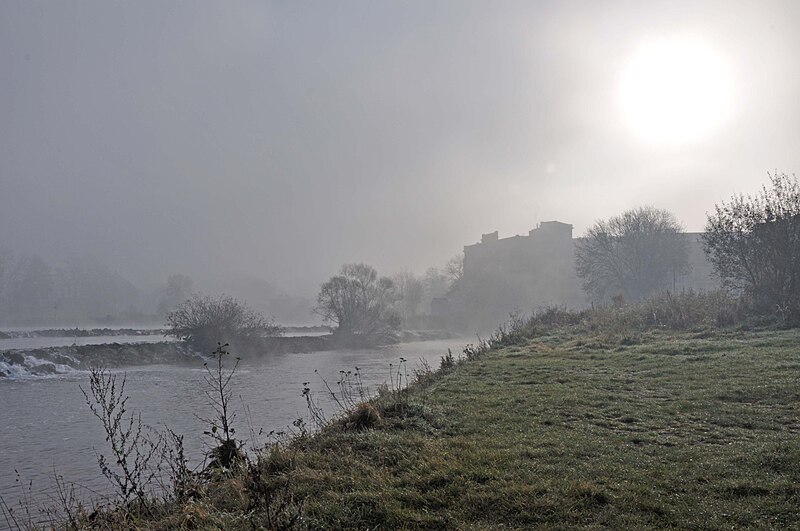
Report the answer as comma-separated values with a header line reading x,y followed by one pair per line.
x,y
48,429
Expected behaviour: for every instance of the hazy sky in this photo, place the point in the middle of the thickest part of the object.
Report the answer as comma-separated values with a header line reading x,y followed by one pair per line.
x,y
284,139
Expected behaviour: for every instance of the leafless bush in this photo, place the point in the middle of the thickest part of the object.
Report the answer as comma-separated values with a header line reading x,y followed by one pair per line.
x,y
204,321
132,451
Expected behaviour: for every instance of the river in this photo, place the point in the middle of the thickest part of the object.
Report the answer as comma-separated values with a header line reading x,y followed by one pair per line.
x,y
47,428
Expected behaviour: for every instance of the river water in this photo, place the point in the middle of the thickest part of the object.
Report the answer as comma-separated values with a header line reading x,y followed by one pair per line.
x,y
47,428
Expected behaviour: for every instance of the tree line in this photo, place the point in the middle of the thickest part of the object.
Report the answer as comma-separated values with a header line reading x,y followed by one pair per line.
x,y
365,308
33,291
362,307
752,243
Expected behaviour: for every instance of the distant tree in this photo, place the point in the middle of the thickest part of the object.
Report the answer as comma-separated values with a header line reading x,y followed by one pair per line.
x,y
410,292
753,243
634,255
359,304
454,268
28,291
88,289
435,284
177,290
203,321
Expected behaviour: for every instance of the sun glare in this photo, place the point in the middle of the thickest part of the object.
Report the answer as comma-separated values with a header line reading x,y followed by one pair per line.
x,y
675,91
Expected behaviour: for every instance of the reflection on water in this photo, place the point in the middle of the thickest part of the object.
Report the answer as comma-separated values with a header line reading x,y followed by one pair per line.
x,y
48,428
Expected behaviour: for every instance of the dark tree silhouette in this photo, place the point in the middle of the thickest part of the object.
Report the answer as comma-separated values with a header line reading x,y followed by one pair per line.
x,y
753,242
359,303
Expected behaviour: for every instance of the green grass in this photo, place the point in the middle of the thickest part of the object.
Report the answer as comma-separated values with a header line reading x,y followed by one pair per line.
x,y
673,431
655,430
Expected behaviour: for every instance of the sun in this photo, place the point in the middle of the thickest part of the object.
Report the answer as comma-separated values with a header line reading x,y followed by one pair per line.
x,y
675,91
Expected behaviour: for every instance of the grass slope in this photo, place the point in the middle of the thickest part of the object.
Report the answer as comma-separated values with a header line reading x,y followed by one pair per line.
x,y
663,430
571,429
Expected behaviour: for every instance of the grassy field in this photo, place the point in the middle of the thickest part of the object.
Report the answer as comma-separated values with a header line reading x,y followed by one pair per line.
x,y
571,429
661,430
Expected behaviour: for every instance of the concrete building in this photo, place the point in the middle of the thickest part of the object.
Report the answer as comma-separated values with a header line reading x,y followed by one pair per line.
x,y
540,265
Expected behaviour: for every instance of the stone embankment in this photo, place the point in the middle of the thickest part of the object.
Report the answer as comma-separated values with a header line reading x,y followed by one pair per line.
x,y
57,360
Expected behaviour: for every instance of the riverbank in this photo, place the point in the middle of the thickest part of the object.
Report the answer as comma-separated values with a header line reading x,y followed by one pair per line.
x,y
568,428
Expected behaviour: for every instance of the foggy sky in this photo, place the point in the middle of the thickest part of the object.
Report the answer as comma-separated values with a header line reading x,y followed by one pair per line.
x,y
283,139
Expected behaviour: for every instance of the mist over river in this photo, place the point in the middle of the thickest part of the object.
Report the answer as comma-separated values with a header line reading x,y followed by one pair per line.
x,y
48,429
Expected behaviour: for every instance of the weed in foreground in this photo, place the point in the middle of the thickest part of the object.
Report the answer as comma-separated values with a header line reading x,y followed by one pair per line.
x,y
132,450
227,451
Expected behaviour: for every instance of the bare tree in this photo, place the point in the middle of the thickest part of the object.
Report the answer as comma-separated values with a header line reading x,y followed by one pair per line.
x,y
204,321
454,268
435,284
753,242
359,303
635,254
410,292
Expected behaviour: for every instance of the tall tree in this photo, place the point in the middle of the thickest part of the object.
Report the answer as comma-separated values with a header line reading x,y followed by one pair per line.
x,y
359,304
635,254
454,269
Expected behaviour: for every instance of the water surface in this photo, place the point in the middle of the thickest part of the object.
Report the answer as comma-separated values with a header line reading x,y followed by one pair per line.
x,y
48,429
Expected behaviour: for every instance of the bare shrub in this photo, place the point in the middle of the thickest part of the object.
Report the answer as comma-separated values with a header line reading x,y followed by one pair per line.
x,y
204,321
132,451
